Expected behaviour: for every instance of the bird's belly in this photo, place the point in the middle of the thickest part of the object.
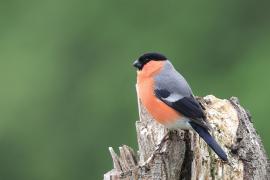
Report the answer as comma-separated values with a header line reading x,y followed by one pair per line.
x,y
182,123
165,115
160,111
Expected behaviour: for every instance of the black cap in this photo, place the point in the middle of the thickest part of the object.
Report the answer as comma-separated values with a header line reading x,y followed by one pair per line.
x,y
145,58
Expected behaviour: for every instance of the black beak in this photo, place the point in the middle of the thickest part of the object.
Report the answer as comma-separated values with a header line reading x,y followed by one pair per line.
x,y
137,65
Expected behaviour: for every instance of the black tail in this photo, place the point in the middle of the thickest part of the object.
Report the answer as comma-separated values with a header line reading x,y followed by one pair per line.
x,y
209,140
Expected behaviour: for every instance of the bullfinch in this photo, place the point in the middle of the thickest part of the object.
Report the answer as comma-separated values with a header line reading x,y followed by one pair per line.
x,y
167,96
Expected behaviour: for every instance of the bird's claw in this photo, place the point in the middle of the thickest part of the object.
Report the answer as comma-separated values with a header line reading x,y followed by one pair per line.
x,y
157,150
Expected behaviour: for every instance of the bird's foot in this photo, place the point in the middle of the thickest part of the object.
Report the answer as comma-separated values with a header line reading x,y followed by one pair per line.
x,y
157,150
163,140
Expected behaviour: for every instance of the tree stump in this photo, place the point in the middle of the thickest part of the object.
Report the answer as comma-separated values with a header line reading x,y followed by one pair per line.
x,y
184,155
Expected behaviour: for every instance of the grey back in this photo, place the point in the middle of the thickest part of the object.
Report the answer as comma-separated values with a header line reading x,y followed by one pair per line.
x,y
171,80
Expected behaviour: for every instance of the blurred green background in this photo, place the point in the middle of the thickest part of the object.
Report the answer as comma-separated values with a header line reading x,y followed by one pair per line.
x,y
68,88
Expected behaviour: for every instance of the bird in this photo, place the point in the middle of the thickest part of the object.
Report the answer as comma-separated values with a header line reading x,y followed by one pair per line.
x,y
169,99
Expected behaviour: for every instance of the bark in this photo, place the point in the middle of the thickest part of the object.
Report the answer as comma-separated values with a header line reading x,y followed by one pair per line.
x,y
184,155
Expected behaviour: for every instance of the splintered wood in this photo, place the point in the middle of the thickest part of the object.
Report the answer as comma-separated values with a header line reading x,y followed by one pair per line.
x,y
184,155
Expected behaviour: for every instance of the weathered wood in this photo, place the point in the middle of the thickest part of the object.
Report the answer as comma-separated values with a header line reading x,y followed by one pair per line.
x,y
184,155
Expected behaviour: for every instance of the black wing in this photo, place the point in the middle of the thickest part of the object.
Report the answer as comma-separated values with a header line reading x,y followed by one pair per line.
x,y
188,106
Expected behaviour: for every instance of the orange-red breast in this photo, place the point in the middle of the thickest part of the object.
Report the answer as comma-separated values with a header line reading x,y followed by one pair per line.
x,y
169,99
